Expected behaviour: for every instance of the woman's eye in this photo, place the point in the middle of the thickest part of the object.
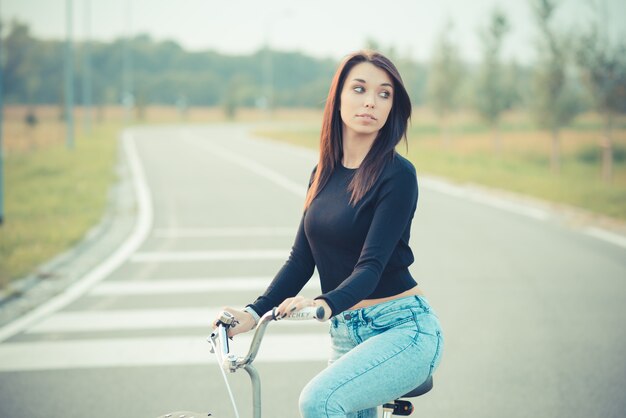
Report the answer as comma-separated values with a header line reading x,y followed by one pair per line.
x,y
359,89
385,94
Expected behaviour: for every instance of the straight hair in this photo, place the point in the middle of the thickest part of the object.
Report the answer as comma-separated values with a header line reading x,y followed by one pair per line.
x,y
383,148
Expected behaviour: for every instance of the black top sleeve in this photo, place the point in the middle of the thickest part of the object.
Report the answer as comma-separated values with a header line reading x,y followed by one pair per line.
x,y
394,211
294,274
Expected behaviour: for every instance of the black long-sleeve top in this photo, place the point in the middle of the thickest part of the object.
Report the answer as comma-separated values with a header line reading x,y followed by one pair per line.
x,y
362,251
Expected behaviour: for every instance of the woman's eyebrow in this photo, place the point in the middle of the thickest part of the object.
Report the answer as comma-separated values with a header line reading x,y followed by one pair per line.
x,y
360,80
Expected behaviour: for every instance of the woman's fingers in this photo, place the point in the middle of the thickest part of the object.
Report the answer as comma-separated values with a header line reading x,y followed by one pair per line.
x,y
288,306
291,305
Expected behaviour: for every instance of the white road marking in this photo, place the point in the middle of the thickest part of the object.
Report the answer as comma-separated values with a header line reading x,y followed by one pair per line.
x,y
224,232
249,164
132,243
125,320
478,196
158,351
605,235
186,286
216,255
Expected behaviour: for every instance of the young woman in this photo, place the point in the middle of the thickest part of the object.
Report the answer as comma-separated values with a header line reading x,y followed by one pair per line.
x,y
355,229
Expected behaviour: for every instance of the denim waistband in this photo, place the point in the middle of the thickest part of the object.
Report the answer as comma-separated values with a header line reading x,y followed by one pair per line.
x,y
362,314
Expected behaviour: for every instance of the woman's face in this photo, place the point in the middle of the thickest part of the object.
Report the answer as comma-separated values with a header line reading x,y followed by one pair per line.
x,y
366,99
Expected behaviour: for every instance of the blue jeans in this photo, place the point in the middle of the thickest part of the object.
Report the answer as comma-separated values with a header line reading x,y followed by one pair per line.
x,y
379,353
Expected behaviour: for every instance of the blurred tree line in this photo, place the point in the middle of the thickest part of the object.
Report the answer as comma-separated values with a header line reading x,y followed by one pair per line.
x,y
573,72
163,73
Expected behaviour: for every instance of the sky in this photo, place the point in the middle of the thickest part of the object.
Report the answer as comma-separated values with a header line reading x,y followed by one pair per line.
x,y
322,28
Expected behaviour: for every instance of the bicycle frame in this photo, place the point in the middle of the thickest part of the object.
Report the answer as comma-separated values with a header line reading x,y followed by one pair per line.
x,y
231,363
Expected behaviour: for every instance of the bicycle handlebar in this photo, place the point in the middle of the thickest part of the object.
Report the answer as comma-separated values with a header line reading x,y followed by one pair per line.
x,y
220,336
313,312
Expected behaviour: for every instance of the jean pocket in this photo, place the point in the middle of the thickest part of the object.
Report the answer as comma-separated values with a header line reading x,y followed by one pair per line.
x,y
438,352
429,324
391,319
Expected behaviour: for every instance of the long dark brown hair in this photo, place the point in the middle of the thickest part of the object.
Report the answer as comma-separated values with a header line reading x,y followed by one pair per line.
x,y
383,148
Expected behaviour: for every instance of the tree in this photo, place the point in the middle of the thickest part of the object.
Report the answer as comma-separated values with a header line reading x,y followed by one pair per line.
x,y
603,67
444,79
20,61
554,105
493,94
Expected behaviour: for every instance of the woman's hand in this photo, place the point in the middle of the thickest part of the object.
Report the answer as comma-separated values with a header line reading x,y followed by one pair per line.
x,y
291,305
244,322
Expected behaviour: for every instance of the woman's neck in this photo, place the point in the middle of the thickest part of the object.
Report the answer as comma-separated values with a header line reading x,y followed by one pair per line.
x,y
355,148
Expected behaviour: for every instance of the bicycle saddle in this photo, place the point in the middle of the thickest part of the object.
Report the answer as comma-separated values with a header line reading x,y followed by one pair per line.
x,y
421,389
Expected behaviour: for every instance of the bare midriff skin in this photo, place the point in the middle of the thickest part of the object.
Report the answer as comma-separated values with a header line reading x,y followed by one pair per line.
x,y
414,291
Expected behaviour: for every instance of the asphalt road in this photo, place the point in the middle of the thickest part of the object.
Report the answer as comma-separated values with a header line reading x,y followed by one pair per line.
x,y
532,307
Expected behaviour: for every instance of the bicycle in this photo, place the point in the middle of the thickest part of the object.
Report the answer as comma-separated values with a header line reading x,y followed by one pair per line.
x,y
231,363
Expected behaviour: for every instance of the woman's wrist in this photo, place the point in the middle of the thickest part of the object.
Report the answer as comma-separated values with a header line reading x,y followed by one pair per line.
x,y
252,312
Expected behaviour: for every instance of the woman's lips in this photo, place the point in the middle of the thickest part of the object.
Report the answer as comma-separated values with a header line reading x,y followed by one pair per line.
x,y
366,116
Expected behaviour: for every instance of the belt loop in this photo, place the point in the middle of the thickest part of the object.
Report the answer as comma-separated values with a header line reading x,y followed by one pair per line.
x,y
422,304
362,316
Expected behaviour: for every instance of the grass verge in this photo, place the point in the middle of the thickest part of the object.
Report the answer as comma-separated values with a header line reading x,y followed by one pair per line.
x,y
520,163
53,195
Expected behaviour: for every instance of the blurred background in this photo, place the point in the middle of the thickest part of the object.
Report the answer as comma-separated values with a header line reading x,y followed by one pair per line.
x,y
518,136
525,96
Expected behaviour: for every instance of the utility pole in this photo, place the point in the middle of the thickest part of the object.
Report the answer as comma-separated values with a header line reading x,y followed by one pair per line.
x,y
1,128
87,91
69,80
128,97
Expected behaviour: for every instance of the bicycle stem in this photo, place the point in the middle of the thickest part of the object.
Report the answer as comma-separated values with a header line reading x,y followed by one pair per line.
x,y
258,336
231,363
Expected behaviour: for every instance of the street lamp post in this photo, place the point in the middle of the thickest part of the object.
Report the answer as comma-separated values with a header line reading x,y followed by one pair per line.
x,y
127,70
69,80
87,69
1,152
268,65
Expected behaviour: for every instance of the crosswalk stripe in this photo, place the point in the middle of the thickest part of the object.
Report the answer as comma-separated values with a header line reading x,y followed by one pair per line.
x,y
224,232
124,320
157,351
217,255
186,286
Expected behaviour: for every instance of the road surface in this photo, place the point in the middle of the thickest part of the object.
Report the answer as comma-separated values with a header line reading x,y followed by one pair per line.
x,y
532,307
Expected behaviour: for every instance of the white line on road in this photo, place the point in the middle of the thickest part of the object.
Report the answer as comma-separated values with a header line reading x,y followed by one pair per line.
x,y
132,243
249,164
224,232
217,255
475,194
188,286
158,351
125,320
469,193
602,234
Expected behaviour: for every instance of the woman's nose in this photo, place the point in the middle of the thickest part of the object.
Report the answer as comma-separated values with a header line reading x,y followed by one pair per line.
x,y
370,102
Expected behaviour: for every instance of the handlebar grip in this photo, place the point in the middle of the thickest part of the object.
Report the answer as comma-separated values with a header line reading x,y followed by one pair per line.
x,y
312,312
320,313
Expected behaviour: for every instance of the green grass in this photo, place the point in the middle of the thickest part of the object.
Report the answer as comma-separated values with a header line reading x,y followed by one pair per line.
x,y
525,169
52,197
578,184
